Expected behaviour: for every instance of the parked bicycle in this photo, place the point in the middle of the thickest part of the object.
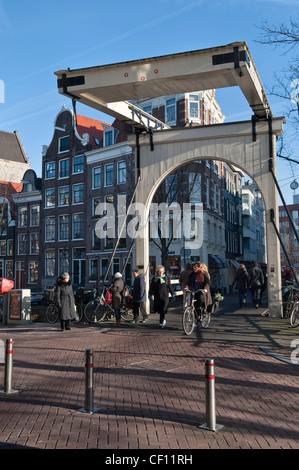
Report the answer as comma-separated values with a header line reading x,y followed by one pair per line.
x,y
294,316
290,295
52,313
100,309
194,316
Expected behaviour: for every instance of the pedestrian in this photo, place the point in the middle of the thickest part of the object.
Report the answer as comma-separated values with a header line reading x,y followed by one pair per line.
x,y
200,279
160,288
183,280
242,283
256,282
65,300
117,297
139,297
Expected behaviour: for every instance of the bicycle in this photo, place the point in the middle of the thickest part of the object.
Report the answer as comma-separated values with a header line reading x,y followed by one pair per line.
x,y
292,298
52,313
100,309
294,316
193,316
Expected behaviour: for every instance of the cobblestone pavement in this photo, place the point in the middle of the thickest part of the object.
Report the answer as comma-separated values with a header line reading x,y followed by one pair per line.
x,y
149,385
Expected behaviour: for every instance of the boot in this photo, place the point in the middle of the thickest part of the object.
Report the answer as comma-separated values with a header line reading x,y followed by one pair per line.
x,y
117,323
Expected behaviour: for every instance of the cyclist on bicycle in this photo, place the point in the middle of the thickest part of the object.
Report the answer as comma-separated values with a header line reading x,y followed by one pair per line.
x,y
200,279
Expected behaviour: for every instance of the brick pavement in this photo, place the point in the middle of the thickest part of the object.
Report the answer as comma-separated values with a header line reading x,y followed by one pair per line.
x,y
149,386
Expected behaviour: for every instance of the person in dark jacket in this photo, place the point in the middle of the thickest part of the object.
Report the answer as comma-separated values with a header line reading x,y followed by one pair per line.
x,y
116,291
160,288
139,297
200,279
65,300
256,282
242,283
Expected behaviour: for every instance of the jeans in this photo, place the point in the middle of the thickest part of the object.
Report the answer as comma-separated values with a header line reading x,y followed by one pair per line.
x,y
242,297
117,313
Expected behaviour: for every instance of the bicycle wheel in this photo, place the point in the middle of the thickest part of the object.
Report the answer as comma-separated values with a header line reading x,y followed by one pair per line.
x,y
188,320
94,312
294,317
289,306
127,313
79,313
52,313
205,319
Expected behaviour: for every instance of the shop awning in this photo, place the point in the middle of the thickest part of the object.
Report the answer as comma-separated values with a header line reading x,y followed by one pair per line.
x,y
216,261
234,263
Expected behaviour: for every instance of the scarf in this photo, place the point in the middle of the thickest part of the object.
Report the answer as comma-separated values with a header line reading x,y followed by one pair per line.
x,y
160,278
200,276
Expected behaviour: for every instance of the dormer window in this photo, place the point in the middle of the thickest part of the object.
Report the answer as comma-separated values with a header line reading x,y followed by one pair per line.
x,y
110,136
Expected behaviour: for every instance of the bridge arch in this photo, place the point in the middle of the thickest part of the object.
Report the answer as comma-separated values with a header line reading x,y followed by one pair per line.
x,y
233,143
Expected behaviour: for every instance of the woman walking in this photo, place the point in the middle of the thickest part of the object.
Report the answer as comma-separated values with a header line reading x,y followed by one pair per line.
x,y
116,291
160,288
256,283
65,301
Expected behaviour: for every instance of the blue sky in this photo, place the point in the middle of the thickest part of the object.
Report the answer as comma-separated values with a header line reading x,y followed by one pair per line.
x,y
40,37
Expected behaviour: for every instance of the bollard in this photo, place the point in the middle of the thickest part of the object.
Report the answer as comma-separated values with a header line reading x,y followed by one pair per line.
x,y
88,402
210,398
8,368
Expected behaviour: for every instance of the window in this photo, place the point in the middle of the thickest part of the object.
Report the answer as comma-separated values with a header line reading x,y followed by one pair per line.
x,y
108,138
95,203
109,175
50,229
93,270
63,195
194,107
121,172
63,260
78,164
9,247
3,247
171,189
104,267
33,271
34,243
50,263
194,188
96,241
148,109
64,168
34,216
63,144
22,216
22,244
170,110
63,227
50,197
50,170
78,193
78,226
96,177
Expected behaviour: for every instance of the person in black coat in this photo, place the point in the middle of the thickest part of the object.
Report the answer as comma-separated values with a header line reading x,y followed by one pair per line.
x,y
160,288
139,296
65,300
242,283
256,283
117,298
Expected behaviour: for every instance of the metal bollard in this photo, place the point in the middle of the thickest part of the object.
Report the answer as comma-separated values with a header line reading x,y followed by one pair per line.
x,y
8,368
210,398
88,402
